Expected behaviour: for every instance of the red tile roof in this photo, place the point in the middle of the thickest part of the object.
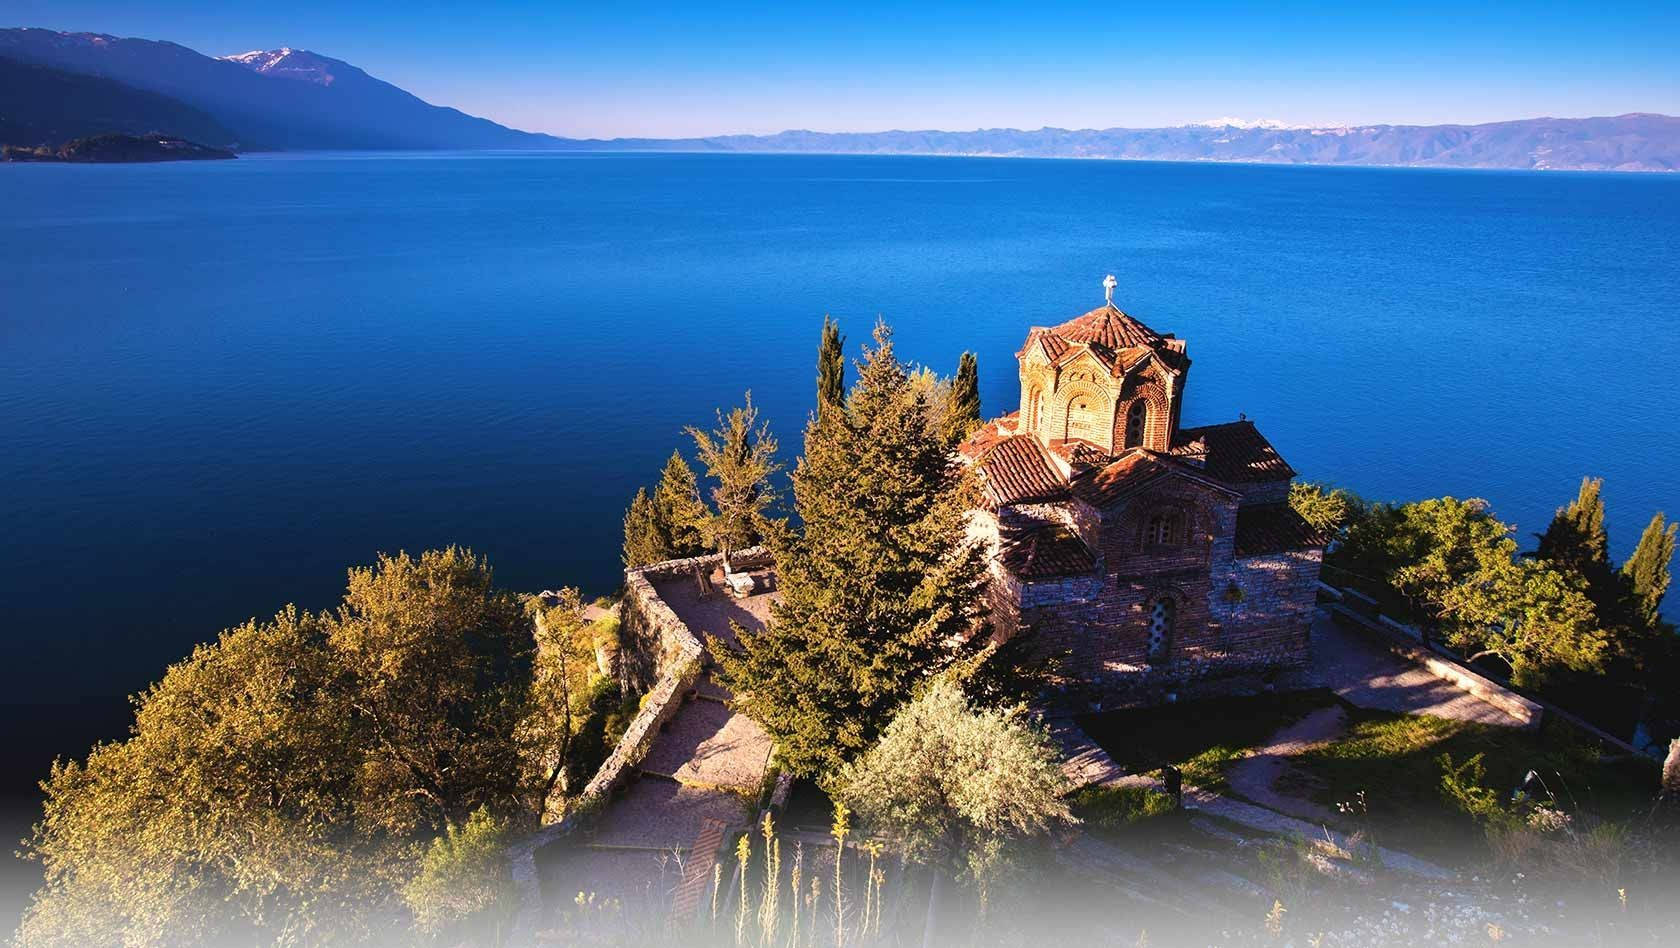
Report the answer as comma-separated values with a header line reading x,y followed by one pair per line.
x,y
1118,341
1054,346
987,436
1108,326
1078,452
1132,470
1234,452
1016,470
1273,528
1043,550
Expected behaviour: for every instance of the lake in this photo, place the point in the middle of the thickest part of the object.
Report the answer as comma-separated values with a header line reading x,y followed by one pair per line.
x,y
222,383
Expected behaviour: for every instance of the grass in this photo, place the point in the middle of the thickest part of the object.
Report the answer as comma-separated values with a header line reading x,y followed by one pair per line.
x,y
1201,738
1394,760
1107,809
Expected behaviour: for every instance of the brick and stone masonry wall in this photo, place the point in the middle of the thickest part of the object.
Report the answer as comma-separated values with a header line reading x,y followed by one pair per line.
x,y
1234,617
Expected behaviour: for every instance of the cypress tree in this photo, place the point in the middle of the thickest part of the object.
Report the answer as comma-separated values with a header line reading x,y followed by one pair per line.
x,y
1647,571
831,366
1575,541
739,456
645,540
682,514
877,581
962,414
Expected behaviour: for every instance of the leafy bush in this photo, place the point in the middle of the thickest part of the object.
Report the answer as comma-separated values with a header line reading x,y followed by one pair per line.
x,y
464,888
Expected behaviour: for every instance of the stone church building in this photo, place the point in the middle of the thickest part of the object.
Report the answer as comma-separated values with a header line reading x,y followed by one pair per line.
x,y
1157,558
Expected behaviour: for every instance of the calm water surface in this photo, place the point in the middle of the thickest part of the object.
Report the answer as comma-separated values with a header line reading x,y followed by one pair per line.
x,y
222,383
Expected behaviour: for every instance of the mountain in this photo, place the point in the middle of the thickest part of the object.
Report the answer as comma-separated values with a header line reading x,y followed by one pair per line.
x,y
1633,142
269,104
40,105
289,63
294,99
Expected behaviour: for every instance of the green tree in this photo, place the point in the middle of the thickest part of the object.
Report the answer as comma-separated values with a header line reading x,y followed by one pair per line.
x,y
437,662
276,784
645,539
877,582
231,812
1327,509
464,889
1453,566
559,699
954,786
1647,572
962,413
1539,621
1576,541
681,512
831,367
740,458
935,393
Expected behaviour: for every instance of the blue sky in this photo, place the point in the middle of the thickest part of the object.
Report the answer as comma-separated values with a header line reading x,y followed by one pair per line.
x,y
629,68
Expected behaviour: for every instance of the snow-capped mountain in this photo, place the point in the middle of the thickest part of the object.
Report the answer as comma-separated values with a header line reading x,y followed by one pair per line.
x,y
271,99
1245,124
289,63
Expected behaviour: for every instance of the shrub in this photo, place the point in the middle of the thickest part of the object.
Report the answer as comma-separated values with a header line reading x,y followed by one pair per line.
x,y
464,887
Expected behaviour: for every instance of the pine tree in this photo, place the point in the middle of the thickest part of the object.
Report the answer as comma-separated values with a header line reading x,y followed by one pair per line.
x,y
682,514
962,415
1647,571
1575,541
876,583
739,456
831,366
645,540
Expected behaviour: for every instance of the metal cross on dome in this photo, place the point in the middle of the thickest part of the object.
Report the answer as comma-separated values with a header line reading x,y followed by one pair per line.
x,y
1109,284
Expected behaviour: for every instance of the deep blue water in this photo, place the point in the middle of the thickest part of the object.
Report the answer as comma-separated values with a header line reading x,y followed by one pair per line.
x,y
222,383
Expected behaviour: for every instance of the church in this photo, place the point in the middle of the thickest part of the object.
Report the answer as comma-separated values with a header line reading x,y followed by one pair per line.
x,y
1156,559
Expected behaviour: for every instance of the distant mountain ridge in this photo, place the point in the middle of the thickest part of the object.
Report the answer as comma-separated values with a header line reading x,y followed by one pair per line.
x,y
294,99
1633,142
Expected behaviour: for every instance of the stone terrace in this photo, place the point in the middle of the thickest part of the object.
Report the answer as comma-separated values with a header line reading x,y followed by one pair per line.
x,y
706,764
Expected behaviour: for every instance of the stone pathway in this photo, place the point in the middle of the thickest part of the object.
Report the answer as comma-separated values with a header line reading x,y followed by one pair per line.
x,y
709,745
1366,675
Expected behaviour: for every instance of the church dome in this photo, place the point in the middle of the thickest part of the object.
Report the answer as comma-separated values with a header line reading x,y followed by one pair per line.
x,y
1109,326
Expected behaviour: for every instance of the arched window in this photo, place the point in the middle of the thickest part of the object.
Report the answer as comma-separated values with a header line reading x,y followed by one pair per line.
x,y
1164,528
1084,417
1137,417
1035,408
1162,612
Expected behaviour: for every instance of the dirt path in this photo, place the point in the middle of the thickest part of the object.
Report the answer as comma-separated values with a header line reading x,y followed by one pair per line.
x,y
1256,776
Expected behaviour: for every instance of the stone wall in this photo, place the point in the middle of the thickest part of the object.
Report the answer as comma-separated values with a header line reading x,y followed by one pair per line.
x,y
659,655
654,640
659,705
1234,618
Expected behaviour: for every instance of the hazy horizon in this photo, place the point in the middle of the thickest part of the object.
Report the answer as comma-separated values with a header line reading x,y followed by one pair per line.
x,y
638,71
